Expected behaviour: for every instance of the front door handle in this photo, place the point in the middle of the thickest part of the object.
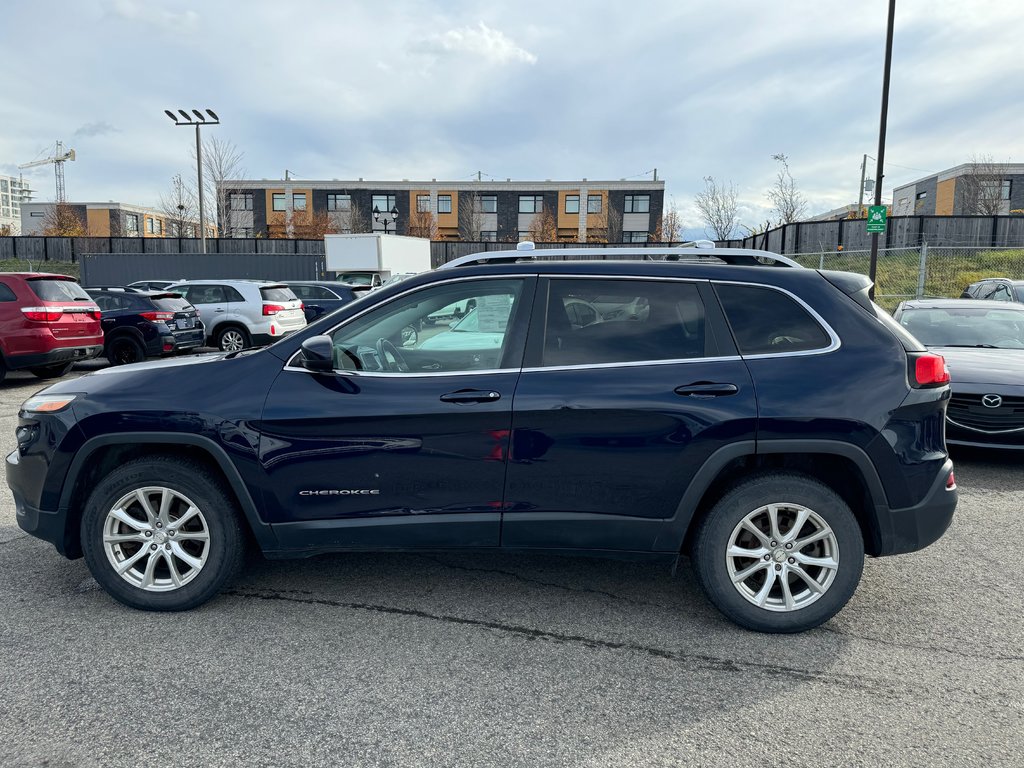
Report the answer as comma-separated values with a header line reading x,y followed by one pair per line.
x,y
471,396
706,389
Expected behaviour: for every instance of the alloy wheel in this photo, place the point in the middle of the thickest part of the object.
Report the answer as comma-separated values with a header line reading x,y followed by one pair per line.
x,y
782,557
232,341
156,539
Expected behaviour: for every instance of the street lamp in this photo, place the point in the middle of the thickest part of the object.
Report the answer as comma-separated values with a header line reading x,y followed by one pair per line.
x,y
200,120
386,220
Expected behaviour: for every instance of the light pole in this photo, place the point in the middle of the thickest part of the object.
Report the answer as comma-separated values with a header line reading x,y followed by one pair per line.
x,y
873,267
201,120
863,179
385,221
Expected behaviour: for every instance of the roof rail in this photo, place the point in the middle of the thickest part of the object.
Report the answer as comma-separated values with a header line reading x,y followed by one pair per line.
x,y
700,250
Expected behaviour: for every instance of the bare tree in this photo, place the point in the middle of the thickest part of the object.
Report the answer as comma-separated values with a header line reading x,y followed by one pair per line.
x,y
354,220
980,189
222,161
180,208
785,197
423,224
670,226
718,208
471,217
311,225
6,230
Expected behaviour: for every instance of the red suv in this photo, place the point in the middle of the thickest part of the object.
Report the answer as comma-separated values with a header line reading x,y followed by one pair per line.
x,y
47,322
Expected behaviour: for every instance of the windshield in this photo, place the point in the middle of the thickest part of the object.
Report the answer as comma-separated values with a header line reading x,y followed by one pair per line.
x,y
966,327
358,278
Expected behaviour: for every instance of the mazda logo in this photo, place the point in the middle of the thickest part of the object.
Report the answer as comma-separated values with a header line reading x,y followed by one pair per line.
x,y
991,401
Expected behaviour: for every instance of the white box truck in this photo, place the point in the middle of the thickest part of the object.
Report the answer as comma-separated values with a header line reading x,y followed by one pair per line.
x,y
367,261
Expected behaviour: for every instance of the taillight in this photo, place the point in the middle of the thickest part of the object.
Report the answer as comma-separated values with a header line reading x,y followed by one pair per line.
x,y
96,314
272,309
158,317
929,370
951,482
43,314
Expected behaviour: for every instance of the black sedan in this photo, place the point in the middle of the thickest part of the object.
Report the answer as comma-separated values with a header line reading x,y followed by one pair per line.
x,y
320,297
983,343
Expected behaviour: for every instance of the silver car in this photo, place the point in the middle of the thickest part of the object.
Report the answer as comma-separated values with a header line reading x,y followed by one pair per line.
x,y
243,313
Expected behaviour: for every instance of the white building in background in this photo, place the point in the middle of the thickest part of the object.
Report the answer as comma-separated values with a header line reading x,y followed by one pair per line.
x,y
13,192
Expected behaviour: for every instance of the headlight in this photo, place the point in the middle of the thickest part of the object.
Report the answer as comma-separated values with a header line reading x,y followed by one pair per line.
x,y
47,403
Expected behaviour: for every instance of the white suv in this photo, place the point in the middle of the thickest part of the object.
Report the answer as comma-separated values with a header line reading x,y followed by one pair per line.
x,y
243,313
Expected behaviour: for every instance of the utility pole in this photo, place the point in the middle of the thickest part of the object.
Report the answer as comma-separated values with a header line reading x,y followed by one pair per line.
x,y
873,270
863,170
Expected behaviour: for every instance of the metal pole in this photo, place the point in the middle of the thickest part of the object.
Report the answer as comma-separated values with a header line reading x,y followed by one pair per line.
x,y
873,270
863,171
202,213
922,270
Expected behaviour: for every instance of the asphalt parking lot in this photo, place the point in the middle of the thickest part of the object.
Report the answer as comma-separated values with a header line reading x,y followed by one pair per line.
x,y
493,660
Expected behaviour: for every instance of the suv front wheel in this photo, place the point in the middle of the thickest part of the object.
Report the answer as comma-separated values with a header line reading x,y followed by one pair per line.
x,y
162,534
779,553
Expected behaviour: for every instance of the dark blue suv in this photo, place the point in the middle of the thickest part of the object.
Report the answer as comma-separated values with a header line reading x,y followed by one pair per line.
x,y
766,420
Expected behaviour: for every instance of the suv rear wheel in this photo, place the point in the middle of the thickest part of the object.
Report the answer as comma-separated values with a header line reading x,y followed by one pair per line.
x,y
123,350
779,553
162,534
232,338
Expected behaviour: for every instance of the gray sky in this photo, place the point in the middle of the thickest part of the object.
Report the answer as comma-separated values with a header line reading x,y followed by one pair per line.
x,y
528,90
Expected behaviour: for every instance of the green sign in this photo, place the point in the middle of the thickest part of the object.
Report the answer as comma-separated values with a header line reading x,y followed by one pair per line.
x,y
876,218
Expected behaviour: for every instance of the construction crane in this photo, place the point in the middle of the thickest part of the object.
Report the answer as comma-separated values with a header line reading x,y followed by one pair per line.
x,y
58,160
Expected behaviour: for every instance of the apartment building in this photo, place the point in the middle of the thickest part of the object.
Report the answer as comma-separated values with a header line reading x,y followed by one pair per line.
x,y
964,190
111,219
13,192
614,211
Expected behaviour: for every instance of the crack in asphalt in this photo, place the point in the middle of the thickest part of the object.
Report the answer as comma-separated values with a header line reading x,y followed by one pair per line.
x,y
555,585
13,538
922,647
695,661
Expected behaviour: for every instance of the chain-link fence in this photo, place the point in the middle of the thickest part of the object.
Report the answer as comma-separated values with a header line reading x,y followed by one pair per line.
x,y
908,273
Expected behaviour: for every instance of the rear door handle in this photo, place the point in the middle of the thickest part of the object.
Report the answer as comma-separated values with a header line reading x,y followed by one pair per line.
x,y
471,396
706,389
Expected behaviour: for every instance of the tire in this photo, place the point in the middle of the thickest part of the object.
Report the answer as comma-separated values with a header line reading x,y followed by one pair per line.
x,y
201,567
123,350
51,371
231,338
834,561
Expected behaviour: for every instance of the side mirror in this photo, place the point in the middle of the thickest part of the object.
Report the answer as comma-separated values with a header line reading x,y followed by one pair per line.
x,y
410,336
317,354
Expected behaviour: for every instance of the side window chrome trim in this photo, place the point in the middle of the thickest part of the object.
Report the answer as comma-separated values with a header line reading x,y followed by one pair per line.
x,y
834,341
410,374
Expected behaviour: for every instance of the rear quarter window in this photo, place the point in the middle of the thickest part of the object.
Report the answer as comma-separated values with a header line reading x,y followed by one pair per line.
x,y
765,321
6,294
58,290
282,293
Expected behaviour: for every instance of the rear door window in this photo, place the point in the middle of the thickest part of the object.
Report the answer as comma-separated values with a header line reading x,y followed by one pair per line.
x,y
48,289
206,294
765,321
593,322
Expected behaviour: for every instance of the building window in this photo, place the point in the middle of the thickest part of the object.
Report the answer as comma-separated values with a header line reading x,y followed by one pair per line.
x,y
339,202
531,203
240,201
150,226
489,236
593,203
159,225
637,204
489,203
922,195
524,234
278,203
299,201
383,203
572,203
131,223
634,237
423,203
444,203
241,232
992,190
36,214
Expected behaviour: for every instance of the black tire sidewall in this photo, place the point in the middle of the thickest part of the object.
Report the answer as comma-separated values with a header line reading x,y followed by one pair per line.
x,y
194,481
716,528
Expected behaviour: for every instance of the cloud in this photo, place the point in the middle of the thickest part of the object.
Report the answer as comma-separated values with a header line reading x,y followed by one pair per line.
x,y
169,21
99,128
480,41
